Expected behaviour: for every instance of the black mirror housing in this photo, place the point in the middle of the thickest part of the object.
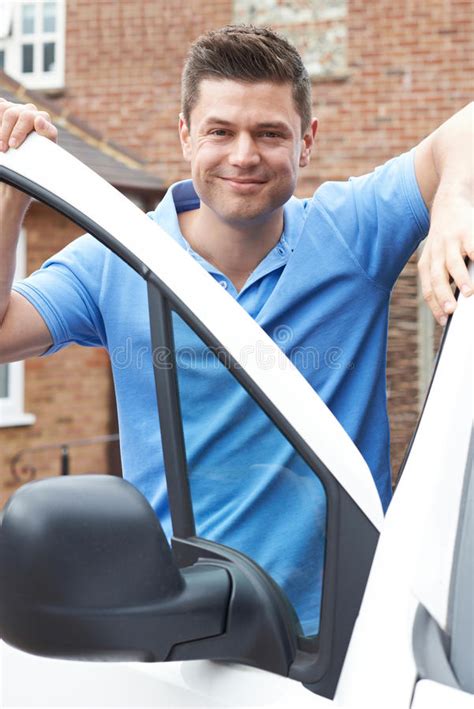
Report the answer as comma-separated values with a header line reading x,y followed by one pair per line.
x,y
94,527
86,572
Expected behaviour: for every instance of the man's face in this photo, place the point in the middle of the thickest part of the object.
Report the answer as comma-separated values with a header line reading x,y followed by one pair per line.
x,y
245,148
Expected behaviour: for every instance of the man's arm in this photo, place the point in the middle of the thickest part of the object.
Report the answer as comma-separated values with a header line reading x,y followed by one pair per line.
x,y
444,165
23,332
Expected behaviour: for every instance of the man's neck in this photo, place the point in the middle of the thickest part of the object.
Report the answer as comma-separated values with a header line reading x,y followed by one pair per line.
x,y
235,249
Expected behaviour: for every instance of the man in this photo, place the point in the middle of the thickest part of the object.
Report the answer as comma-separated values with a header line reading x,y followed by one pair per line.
x,y
320,270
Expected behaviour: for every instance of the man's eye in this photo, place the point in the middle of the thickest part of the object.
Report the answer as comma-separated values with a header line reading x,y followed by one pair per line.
x,y
219,132
271,134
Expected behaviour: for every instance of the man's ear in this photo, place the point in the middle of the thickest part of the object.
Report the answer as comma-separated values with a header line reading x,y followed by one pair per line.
x,y
308,142
185,138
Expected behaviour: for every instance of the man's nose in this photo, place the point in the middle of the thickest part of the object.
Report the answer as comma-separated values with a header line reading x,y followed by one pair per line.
x,y
244,152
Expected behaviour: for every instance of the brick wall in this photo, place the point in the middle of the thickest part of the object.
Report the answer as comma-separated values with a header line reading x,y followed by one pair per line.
x,y
134,96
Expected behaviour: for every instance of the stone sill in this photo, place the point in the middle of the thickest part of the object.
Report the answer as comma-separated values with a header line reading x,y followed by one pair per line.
x,y
11,420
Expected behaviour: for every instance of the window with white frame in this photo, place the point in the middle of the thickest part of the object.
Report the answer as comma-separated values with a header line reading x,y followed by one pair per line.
x,y
12,376
32,42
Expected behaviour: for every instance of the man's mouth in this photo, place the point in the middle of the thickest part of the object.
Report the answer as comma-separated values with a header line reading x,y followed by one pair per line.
x,y
246,181
243,182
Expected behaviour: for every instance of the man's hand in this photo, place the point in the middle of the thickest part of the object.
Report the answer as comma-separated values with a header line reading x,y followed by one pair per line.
x,y
450,240
445,174
17,121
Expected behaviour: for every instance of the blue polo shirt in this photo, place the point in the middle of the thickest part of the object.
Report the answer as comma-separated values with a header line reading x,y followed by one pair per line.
x,y
322,293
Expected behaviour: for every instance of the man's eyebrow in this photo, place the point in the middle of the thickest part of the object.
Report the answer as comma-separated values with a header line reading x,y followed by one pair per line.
x,y
273,125
216,119
265,125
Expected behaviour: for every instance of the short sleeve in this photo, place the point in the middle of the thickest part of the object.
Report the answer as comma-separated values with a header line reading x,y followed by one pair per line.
x,y
380,216
66,293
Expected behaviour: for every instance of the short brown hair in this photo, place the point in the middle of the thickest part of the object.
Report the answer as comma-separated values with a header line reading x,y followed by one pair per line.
x,y
245,53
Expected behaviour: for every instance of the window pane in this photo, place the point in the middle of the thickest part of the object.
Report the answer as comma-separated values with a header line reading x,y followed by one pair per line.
x,y
250,489
49,17
48,56
27,59
28,18
3,381
2,58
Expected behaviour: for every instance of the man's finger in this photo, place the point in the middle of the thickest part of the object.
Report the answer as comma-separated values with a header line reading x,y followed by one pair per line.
x,y
44,127
9,114
434,306
23,126
9,120
439,279
428,292
458,271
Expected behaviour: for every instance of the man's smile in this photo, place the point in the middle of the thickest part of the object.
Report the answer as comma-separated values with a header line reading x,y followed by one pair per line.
x,y
241,184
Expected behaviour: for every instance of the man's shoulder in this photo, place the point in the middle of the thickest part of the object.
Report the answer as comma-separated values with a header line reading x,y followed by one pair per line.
x,y
83,252
89,261
364,194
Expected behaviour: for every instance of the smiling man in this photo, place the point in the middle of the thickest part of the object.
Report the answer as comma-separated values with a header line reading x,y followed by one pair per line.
x,y
319,270
245,143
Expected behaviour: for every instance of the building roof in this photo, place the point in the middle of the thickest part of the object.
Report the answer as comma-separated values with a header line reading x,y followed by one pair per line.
x,y
112,162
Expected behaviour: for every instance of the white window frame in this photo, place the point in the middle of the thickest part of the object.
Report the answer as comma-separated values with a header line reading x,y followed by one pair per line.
x,y
12,407
12,44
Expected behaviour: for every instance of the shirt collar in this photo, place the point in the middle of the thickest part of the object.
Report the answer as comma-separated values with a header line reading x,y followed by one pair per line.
x,y
181,197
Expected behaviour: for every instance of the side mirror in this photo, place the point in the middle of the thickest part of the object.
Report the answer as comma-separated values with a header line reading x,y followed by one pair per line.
x,y
86,572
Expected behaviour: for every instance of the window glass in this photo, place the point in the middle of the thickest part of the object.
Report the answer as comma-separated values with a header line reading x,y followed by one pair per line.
x,y
48,56
27,59
49,17
28,12
250,489
3,381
